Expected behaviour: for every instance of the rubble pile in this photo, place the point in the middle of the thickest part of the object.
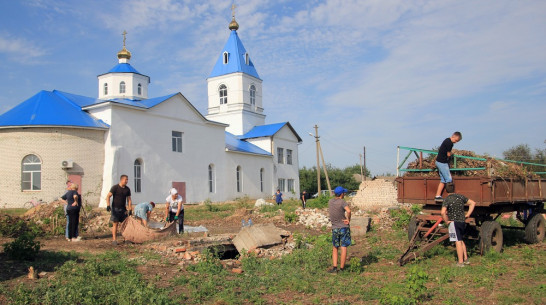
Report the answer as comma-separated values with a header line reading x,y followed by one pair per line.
x,y
313,218
493,167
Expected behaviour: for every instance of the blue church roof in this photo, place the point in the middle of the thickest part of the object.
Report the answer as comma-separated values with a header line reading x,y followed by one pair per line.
x,y
123,68
49,108
268,130
236,59
234,144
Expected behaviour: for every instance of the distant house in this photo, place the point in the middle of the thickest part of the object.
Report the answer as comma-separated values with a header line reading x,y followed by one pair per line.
x,y
159,142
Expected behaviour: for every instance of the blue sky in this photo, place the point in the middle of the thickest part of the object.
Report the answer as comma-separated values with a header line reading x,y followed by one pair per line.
x,y
373,73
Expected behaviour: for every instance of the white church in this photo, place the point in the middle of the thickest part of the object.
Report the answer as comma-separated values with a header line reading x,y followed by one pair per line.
x,y
55,137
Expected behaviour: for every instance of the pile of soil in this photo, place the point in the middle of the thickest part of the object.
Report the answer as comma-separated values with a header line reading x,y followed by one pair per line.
x,y
493,167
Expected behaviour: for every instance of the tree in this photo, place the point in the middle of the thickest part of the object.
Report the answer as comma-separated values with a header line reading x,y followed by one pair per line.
x,y
343,177
523,153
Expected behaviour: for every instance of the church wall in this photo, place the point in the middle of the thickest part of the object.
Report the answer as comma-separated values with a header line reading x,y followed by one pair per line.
x,y
263,143
147,135
250,166
285,139
52,145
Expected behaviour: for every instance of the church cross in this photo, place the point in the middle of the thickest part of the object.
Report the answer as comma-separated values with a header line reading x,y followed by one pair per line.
x,y
233,6
124,33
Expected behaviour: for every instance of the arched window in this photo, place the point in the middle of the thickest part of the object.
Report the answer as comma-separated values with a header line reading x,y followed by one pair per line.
x,y
138,176
223,94
31,173
252,95
105,89
239,179
211,178
261,180
226,57
247,59
139,90
122,87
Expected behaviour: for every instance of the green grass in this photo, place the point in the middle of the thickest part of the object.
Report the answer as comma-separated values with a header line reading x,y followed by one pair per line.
x,y
372,275
13,212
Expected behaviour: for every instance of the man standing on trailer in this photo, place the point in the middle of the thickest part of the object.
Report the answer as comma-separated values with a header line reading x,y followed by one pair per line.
x,y
442,162
454,215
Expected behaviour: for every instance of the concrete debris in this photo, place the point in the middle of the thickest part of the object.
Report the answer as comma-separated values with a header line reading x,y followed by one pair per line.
x,y
313,218
261,202
360,225
256,236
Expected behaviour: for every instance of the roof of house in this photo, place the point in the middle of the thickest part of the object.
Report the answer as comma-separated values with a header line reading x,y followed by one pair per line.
x,y
49,108
236,59
268,130
235,144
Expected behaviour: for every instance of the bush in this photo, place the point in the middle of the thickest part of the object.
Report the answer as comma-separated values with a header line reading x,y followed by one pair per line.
x,y
401,218
23,248
320,202
290,217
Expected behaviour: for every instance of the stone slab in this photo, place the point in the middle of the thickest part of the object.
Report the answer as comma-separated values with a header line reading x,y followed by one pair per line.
x,y
256,236
360,225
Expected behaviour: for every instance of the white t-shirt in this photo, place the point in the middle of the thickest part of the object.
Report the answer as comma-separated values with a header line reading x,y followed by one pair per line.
x,y
174,203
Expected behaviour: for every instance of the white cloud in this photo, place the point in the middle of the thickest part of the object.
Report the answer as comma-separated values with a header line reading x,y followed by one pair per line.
x,y
19,49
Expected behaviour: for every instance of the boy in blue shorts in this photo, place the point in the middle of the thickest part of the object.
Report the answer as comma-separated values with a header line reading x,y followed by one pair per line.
x,y
340,217
442,163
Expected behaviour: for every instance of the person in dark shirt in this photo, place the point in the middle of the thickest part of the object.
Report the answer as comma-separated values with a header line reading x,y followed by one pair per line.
x,y
73,205
442,160
453,214
304,197
122,197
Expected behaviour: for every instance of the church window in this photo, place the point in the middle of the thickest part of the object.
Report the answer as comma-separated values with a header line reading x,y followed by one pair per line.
x,y
223,94
247,59
252,95
281,185
105,89
211,178
31,173
122,87
291,185
280,155
138,175
239,180
261,179
288,156
139,89
177,141
225,57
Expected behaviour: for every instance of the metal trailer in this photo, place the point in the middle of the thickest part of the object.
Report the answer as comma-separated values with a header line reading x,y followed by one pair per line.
x,y
493,196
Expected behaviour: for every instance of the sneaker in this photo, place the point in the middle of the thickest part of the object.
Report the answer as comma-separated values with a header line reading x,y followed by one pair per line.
x,y
114,242
466,262
460,265
332,270
438,199
79,238
68,239
76,239
341,269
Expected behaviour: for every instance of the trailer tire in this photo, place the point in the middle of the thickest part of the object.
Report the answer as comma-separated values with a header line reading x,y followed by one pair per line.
x,y
490,237
412,227
535,229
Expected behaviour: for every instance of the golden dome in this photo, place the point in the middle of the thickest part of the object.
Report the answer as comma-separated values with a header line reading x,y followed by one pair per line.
x,y
233,25
124,53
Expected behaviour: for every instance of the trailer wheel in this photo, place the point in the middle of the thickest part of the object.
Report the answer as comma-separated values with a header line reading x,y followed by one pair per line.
x,y
490,237
412,227
535,229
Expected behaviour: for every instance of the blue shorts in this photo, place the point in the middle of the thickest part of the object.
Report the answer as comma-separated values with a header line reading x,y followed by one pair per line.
x,y
445,174
341,237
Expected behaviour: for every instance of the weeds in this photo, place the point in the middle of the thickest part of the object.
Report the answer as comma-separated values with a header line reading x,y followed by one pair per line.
x,y
320,202
23,247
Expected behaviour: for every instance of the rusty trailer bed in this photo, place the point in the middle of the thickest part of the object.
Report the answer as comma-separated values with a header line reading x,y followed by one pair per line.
x,y
485,191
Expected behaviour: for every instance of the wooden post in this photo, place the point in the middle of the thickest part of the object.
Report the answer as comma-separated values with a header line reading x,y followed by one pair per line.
x,y
318,160
325,171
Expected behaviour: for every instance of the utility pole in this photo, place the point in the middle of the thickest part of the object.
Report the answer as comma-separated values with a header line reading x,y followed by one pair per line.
x,y
318,160
325,171
365,161
361,170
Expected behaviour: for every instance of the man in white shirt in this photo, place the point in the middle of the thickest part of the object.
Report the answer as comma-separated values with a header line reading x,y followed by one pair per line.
x,y
175,210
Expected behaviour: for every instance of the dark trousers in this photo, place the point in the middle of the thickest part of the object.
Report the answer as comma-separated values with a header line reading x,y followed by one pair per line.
x,y
180,226
303,204
73,220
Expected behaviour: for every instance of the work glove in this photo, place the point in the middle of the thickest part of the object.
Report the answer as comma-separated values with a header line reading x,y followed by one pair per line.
x,y
175,217
108,209
167,219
